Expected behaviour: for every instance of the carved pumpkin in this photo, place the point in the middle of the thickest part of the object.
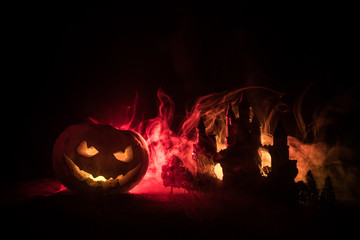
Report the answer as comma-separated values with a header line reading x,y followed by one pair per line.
x,y
99,158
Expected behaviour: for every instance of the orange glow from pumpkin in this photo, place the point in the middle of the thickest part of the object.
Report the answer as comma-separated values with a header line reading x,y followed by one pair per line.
x,y
86,151
98,178
125,156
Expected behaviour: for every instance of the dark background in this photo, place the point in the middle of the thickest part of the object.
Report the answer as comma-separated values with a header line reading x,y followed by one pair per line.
x,y
68,61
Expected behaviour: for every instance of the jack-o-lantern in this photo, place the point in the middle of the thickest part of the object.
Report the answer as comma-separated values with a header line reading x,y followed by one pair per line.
x,y
99,158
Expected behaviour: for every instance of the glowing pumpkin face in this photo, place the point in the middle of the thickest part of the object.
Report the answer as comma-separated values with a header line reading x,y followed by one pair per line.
x,y
99,158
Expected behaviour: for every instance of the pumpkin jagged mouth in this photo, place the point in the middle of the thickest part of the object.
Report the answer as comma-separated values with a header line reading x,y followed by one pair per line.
x,y
99,181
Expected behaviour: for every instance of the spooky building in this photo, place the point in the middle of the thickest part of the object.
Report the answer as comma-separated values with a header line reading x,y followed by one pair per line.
x,y
283,170
240,161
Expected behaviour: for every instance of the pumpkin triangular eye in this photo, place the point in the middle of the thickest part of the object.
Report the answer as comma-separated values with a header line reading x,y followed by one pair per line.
x,y
125,156
86,151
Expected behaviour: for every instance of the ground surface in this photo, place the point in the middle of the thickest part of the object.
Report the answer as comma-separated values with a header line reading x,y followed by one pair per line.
x,y
69,215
